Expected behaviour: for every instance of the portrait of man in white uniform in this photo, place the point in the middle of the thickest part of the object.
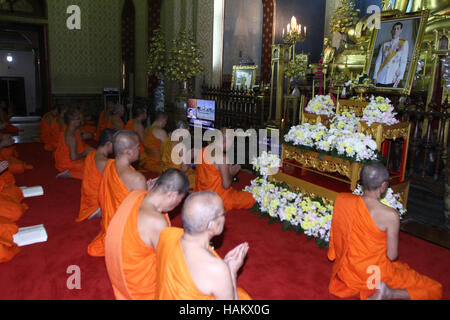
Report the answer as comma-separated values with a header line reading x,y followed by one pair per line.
x,y
392,59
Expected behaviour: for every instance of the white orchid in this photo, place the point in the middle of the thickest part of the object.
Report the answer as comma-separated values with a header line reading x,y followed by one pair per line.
x,y
321,105
379,110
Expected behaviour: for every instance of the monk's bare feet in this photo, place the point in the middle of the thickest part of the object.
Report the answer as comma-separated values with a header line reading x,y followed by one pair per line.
x,y
64,175
96,214
384,293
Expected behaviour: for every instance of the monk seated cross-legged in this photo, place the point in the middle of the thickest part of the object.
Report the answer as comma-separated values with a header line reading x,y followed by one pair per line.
x,y
93,169
133,235
57,126
364,247
155,135
71,151
45,125
118,180
187,267
136,125
115,121
104,118
216,174
9,153
171,159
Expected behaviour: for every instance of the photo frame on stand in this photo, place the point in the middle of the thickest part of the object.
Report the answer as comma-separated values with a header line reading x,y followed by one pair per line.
x,y
244,77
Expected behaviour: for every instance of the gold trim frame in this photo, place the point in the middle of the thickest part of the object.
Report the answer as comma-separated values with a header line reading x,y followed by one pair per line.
x,y
249,70
411,69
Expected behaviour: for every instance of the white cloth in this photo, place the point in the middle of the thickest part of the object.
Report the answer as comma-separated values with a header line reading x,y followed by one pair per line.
x,y
394,70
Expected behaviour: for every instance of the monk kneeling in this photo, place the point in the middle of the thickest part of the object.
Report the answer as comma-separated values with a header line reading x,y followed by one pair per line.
x,y
187,268
133,235
364,243
155,135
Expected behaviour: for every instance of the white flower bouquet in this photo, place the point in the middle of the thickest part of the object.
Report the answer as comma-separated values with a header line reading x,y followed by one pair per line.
x,y
390,199
379,110
321,105
306,134
346,121
357,146
266,164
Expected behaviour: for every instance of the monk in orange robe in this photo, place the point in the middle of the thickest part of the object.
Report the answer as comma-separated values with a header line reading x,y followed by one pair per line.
x,y
118,180
216,174
87,125
9,153
71,151
104,118
8,249
115,121
187,268
133,235
11,196
56,128
93,169
136,125
175,160
6,126
155,135
45,125
364,247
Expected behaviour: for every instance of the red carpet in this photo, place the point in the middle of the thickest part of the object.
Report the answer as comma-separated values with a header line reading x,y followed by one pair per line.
x,y
280,264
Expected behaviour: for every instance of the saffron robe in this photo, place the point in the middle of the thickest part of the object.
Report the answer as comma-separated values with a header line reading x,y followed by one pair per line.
x,y
112,192
44,130
150,160
167,163
89,188
63,161
8,249
130,262
174,281
11,197
129,126
209,178
15,165
101,124
356,243
55,132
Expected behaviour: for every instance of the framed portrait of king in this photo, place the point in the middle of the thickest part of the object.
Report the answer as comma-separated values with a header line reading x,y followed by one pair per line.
x,y
394,51
244,77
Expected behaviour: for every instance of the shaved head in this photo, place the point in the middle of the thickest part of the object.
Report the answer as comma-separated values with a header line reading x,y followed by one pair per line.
x,y
123,140
172,180
373,175
199,209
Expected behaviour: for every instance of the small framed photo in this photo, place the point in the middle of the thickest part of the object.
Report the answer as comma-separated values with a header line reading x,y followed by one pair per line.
x,y
244,77
394,51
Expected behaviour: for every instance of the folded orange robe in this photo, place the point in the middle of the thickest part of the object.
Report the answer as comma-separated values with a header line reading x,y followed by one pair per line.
x,y
167,162
44,130
209,178
55,132
131,263
150,160
89,188
62,157
8,249
174,281
356,243
112,192
15,165
129,126
11,196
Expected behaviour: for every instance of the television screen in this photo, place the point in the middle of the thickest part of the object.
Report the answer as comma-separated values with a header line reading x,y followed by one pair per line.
x,y
201,113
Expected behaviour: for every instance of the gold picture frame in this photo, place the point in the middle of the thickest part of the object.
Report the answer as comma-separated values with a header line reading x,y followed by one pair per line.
x,y
400,65
244,77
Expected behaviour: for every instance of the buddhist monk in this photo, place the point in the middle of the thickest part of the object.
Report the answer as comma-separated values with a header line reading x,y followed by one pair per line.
x,y
118,180
175,159
71,151
187,267
104,118
9,153
155,135
133,235
215,173
364,246
56,128
115,121
6,127
136,125
87,125
45,125
93,169
11,196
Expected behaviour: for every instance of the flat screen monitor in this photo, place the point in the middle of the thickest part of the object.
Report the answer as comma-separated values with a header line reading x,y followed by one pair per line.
x,y
201,113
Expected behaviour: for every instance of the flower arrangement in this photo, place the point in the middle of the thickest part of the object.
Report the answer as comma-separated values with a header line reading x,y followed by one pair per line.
x,y
266,164
296,68
321,105
390,199
346,121
379,110
156,61
349,145
184,58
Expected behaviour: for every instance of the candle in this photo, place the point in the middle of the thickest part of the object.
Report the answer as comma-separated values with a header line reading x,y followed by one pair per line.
x,y
283,33
288,28
305,31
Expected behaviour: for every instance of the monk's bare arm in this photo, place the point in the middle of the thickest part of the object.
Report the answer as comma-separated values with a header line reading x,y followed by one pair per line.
x,y
140,130
392,232
72,143
115,123
136,181
225,173
223,283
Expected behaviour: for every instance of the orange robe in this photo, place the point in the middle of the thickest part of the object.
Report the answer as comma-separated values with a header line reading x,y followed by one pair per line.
x,y
101,124
131,263
55,132
8,249
209,178
62,157
129,126
15,165
89,127
356,243
9,127
167,163
89,188
150,160
44,130
11,196
174,281
112,192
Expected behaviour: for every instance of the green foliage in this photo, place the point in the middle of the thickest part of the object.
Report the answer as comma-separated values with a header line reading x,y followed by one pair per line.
x,y
156,61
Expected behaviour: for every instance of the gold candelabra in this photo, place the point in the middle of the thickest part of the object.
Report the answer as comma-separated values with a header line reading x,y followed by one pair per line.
x,y
294,34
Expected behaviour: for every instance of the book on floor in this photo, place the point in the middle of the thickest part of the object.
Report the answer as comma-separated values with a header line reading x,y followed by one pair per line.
x,y
35,191
29,235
